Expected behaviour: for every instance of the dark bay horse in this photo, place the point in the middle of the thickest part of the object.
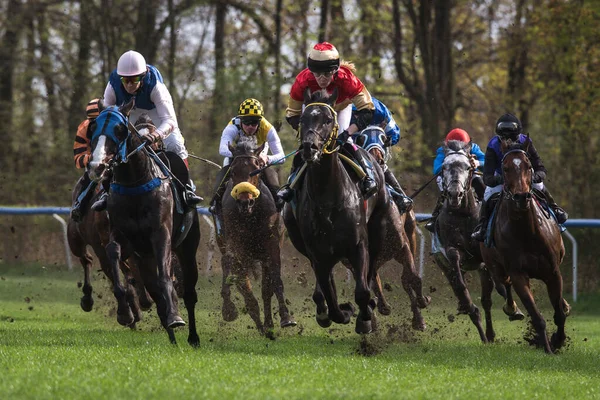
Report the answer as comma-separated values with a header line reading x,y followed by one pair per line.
x,y
527,244
252,234
458,216
374,140
92,231
329,221
147,218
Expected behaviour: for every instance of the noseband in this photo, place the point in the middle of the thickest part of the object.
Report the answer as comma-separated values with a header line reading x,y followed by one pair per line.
x,y
466,187
330,139
507,193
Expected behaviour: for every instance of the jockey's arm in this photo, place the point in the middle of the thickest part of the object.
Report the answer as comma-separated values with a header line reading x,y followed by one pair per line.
x,y
228,136
536,160
491,161
274,143
364,111
293,112
163,102
110,97
439,160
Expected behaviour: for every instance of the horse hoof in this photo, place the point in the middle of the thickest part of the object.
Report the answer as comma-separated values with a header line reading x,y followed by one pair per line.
x,y
349,308
194,340
363,327
517,316
229,312
556,342
423,301
566,308
323,320
384,309
126,319
419,325
176,322
86,304
287,322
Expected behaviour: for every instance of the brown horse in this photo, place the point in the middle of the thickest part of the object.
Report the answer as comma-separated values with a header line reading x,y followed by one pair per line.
x,y
458,252
252,234
527,244
372,140
92,231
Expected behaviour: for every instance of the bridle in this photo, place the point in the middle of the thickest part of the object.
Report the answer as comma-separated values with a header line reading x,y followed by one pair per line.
x,y
331,138
507,194
472,168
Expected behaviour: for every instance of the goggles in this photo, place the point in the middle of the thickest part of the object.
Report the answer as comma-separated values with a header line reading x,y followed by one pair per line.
x,y
250,121
131,79
326,74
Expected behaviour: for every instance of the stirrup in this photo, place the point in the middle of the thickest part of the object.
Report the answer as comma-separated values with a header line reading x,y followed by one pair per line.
x,y
191,198
285,193
430,225
479,233
369,187
76,212
100,204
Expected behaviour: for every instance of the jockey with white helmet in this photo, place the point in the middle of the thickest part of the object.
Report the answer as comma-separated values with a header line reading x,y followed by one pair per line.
x,y
133,78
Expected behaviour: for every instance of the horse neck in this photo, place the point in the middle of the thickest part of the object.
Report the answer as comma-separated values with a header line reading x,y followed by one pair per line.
x,y
325,183
522,222
137,170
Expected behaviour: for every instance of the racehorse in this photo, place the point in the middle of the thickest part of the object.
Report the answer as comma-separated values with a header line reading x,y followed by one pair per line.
x,y
374,140
458,216
252,234
146,217
527,243
92,231
329,221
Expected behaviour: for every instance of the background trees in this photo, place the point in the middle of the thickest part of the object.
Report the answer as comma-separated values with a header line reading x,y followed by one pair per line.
x,y
437,64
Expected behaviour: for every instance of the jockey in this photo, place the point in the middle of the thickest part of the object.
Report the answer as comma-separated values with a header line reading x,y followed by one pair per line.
x,y
251,123
382,117
82,150
133,78
476,181
326,72
509,129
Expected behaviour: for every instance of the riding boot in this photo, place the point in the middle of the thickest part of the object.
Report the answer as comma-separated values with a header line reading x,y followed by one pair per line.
x,y
486,207
478,185
85,189
191,198
561,215
286,193
100,203
403,202
430,225
368,184
219,189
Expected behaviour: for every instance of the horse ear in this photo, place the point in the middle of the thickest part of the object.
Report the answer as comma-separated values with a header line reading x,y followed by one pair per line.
x,y
260,149
331,100
307,95
231,148
125,109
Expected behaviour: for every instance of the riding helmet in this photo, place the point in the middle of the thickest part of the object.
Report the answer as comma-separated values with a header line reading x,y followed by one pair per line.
x,y
323,57
508,127
131,63
458,134
250,108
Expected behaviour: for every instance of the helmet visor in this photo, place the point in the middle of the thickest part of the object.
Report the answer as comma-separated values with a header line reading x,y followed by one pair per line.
x,y
508,129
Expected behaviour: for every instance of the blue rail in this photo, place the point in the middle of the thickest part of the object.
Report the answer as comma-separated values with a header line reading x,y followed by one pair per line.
x,y
57,210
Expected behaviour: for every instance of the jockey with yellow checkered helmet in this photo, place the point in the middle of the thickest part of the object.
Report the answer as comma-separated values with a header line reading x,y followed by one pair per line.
x,y
250,124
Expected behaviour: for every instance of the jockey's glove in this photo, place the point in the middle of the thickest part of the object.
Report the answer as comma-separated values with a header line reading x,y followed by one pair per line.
x,y
343,137
294,121
539,176
152,137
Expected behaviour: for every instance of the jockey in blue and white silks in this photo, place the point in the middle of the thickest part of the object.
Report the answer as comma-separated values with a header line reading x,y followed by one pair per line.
x,y
151,97
382,117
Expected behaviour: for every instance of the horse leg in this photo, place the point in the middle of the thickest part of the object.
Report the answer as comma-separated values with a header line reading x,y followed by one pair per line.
x,y
228,311
267,292
382,305
322,315
521,284
413,286
186,253
285,319
87,300
487,287
327,290
465,304
554,285
245,288
124,315
510,307
362,294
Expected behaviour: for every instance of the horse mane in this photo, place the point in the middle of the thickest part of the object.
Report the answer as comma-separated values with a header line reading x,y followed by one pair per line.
x,y
245,145
144,119
458,146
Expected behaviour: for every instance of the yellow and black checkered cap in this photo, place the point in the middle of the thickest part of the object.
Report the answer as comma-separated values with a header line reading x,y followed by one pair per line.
x,y
250,108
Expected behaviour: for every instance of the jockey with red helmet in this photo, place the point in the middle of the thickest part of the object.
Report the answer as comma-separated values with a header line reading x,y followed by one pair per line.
x,y
477,182
133,78
326,72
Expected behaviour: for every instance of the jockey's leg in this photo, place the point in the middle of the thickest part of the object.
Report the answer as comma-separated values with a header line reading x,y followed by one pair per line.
x,y
286,193
220,184
478,185
368,184
84,190
430,225
561,215
484,214
271,180
100,203
191,198
404,202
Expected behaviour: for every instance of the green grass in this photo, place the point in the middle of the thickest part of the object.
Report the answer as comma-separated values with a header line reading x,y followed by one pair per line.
x,y
49,348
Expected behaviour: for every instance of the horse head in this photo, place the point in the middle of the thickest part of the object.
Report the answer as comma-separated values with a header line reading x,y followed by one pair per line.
x,y
318,125
109,140
245,186
517,173
374,140
457,172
